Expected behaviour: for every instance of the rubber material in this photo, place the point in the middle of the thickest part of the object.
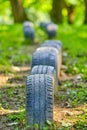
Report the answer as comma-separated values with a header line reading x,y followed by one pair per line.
x,y
46,56
28,31
39,99
50,28
58,45
43,69
52,43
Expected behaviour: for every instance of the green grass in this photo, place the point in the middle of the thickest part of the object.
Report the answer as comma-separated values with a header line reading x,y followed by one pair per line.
x,y
82,120
12,46
73,39
75,44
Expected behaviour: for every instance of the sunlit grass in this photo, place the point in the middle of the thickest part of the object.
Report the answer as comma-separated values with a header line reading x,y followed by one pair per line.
x,y
74,38
74,41
11,45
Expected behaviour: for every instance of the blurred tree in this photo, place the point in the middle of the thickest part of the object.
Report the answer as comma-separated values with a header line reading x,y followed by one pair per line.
x,y
56,12
85,21
71,8
18,11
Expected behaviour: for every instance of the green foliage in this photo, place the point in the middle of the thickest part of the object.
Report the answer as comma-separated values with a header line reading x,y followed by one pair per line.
x,y
82,121
35,10
18,117
74,42
5,12
39,10
40,5
74,2
77,96
74,93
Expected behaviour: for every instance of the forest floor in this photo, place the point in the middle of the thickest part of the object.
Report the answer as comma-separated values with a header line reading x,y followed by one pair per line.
x,y
70,105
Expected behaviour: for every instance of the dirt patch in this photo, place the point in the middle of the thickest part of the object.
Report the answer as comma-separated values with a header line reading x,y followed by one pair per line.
x,y
17,78
67,115
3,79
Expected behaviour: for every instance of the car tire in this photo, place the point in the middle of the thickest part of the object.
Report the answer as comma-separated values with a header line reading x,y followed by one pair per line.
x,y
46,56
39,99
58,45
49,70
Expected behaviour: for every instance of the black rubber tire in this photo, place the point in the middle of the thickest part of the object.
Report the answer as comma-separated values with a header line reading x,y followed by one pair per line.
x,y
58,45
44,69
46,56
39,99
52,43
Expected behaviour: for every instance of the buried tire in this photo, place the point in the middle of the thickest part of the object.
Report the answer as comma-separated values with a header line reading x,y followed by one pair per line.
x,y
52,43
44,69
39,99
58,45
46,56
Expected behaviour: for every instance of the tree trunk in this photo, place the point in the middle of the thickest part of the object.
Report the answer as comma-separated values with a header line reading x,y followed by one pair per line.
x,y
71,12
85,2
18,11
56,12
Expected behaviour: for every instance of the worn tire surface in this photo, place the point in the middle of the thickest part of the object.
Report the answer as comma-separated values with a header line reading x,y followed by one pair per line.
x,y
46,56
44,69
58,45
39,99
52,43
